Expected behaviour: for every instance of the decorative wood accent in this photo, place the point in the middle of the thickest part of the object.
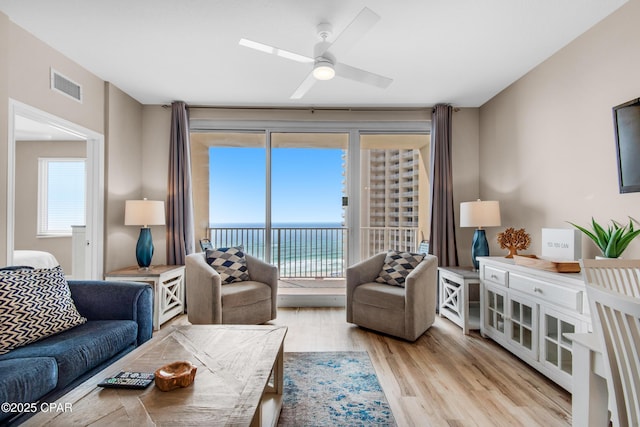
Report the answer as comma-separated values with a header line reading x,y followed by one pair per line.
x,y
514,240
549,265
175,375
235,365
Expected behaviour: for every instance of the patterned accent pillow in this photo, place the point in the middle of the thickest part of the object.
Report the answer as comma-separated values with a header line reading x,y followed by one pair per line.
x,y
34,304
230,263
397,266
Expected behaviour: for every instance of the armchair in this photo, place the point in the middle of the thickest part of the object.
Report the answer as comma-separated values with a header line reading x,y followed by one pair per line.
x,y
248,302
405,312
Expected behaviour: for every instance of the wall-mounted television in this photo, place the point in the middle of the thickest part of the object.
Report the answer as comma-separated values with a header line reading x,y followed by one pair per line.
x,y
626,123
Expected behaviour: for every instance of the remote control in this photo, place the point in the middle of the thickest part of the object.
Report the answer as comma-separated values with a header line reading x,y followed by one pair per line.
x,y
137,380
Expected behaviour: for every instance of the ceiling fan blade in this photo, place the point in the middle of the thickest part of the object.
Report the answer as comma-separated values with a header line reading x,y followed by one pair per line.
x,y
363,76
304,87
353,32
275,51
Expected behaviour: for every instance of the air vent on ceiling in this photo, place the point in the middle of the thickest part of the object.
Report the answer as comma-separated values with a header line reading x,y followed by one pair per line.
x,y
65,86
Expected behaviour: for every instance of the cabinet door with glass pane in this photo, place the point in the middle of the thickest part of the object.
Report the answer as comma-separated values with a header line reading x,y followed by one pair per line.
x,y
555,349
495,312
522,326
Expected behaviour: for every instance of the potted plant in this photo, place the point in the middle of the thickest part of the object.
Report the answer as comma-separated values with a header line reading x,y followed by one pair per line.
x,y
613,240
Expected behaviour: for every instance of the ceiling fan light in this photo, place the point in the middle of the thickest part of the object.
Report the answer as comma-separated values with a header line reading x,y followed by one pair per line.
x,y
323,70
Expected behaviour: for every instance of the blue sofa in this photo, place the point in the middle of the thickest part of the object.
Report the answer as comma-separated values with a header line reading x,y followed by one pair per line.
x,y
119,318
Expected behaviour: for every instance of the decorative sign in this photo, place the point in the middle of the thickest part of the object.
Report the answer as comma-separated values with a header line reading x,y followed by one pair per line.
x,y
563,244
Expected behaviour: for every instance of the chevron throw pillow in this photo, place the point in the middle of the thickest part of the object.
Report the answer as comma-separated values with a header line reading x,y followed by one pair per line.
x,y
397,266
34,304
230,263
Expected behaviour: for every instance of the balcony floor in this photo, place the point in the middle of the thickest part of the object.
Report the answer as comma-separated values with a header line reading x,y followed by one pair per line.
x,y
295,292
310,283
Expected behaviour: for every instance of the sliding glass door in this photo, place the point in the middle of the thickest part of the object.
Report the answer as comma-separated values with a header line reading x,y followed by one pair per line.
x,y
282,196
308,198
394,194
229,180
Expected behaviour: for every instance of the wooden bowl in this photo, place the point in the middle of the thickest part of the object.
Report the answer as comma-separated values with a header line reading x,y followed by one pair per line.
x,y
175,375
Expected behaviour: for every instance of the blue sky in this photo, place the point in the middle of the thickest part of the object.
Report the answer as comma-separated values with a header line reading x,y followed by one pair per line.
x,y
306,185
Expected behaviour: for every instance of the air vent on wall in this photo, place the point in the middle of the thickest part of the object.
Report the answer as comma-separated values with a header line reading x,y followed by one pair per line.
x,y
65,86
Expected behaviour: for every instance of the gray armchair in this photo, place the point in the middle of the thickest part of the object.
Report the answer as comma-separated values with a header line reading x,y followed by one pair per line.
x,y
249,302
402,312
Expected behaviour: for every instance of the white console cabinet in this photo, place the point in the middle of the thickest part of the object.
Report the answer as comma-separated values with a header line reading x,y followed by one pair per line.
x,y
527,311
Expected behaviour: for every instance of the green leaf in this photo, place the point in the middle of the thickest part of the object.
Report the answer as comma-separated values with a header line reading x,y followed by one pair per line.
x,y
613,240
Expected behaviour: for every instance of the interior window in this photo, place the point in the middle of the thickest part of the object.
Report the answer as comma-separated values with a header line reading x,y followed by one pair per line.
x,y
61,195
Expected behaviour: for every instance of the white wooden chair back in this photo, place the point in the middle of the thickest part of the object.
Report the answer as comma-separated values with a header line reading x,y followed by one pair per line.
x,y
619,275
616,318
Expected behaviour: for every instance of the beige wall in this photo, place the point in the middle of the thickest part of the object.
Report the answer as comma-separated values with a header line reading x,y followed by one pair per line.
x,y
156,127
123,160
547,149
25,64
26,197
4,114
465,147
30,61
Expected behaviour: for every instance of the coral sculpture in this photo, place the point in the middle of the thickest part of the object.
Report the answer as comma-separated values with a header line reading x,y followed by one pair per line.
x,y
514,240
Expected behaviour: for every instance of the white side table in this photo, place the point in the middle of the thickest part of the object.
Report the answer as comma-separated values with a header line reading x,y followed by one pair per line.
x,y
460,296
168,288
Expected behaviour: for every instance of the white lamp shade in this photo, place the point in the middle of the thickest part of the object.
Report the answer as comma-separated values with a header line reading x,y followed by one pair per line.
x,y
144,212
481,213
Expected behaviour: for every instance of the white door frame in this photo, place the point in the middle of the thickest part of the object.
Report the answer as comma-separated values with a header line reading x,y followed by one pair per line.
x,y
95,181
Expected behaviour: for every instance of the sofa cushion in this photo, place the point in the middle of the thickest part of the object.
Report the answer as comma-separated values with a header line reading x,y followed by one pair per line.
x,y
397,266
26,380
245,293
380,295
34,304
82,348
230,263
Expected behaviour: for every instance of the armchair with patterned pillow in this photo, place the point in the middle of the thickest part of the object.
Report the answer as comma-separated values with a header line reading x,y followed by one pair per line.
x,y
228,286
394,293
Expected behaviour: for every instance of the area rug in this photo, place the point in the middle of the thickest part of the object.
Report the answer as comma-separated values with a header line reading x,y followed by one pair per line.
x,y
332,389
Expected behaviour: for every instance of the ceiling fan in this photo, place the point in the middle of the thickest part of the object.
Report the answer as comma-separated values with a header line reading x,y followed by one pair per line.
x,y
325,64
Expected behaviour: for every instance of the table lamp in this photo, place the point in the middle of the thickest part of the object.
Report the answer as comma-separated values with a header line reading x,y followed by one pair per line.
x,y
479,214
145,213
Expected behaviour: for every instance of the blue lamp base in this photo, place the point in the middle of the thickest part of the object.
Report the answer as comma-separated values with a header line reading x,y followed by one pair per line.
x,y
144,248
480,247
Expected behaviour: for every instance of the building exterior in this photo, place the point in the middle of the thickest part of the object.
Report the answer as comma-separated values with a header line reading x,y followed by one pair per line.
x,y
391,204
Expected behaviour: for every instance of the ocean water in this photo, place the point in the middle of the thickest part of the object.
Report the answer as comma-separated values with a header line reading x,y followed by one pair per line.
x,y
309,250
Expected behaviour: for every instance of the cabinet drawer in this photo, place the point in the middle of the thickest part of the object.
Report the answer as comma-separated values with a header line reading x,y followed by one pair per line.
x,y
495,275
559,295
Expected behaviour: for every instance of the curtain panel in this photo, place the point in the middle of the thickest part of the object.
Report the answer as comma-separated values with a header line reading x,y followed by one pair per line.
x,y
442,242
180,228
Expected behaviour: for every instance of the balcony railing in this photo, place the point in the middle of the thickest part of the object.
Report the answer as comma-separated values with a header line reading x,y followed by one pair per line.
x,y
298,252
379,239
314,252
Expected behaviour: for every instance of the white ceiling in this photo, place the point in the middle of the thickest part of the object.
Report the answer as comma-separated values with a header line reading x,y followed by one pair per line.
x,y
458,51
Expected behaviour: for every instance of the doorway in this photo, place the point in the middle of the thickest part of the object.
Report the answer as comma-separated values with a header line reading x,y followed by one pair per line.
x,y
35,134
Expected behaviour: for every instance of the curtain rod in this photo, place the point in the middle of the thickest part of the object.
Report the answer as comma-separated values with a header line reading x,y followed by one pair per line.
x,y
311,109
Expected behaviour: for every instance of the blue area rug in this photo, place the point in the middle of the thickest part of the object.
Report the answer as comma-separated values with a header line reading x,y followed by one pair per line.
x,y
332,389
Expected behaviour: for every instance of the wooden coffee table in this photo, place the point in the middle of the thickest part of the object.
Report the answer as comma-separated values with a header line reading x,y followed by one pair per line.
x,y
239,382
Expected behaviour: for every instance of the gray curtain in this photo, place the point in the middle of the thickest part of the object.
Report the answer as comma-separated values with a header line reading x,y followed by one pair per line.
x,y
180,229
442,242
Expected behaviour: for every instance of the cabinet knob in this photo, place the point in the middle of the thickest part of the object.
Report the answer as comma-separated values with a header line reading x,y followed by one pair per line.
x,y
493,276
537,290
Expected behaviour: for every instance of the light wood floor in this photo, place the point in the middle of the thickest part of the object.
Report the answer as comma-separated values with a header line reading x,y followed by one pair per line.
x,y
443,379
